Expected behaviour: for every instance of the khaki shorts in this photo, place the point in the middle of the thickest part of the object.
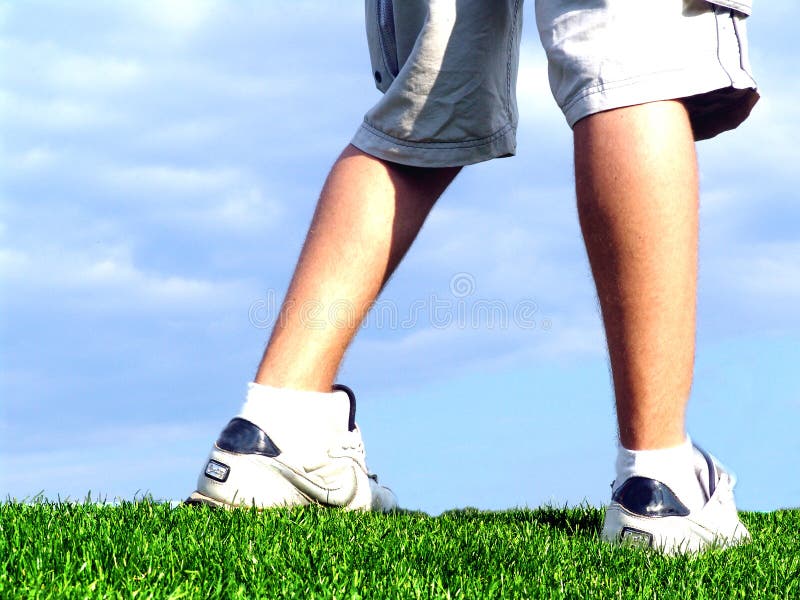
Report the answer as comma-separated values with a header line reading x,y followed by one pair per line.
x,y
448,69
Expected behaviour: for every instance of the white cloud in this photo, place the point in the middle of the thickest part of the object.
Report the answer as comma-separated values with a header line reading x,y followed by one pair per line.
x,y
165,178
5,10
13,263
523,241
766,272
242,210
749,288
33,159
116,460
55,114
536,103
220,199
451,233
93,74
176,17
185,134
109,281
435,353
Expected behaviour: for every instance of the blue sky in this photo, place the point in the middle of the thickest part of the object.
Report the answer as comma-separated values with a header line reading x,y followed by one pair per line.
x,y
161,161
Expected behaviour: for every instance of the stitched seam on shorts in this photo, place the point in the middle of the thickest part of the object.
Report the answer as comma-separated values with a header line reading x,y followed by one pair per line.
x,y
599,89
443,145
736,32
378,10
717,11
612,85
509,57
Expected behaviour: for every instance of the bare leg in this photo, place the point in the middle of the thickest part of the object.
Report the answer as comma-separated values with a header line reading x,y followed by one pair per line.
x,y
637,188
369,213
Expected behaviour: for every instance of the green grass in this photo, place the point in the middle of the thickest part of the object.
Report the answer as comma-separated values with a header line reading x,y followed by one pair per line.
x,y
148,550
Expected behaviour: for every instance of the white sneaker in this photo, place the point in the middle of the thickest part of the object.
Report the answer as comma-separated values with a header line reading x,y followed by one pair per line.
x,y
645,512
245,468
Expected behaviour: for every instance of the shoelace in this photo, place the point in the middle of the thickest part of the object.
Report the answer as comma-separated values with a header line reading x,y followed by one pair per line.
x,y
353,444
725,485
352,441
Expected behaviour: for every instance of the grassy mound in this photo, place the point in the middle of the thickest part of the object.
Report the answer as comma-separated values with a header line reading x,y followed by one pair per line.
x,y
149,550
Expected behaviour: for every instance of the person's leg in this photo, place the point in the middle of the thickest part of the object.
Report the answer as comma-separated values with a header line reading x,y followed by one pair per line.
x,y
637,190
368,214
636,178
295,440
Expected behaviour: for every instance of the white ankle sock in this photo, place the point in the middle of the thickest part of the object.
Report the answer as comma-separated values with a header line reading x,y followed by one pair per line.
x,y
296,418
674,467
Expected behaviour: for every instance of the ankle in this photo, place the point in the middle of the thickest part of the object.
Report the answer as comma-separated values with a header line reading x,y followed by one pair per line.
x,y
296,417
314,380
637,439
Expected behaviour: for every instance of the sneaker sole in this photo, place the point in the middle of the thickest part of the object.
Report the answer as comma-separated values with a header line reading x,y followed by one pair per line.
x,y
264,482
200,499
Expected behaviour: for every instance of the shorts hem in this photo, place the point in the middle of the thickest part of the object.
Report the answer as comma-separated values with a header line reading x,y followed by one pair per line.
x,y
654,87
434,154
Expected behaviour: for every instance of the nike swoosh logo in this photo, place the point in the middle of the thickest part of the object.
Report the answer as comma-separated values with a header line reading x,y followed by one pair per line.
x,y
339,494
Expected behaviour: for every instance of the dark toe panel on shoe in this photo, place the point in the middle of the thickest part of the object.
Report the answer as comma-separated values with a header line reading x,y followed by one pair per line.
x,y
243,437
649,498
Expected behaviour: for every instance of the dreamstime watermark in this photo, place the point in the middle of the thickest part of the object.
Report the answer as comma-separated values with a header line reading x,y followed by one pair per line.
x,y
461,308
